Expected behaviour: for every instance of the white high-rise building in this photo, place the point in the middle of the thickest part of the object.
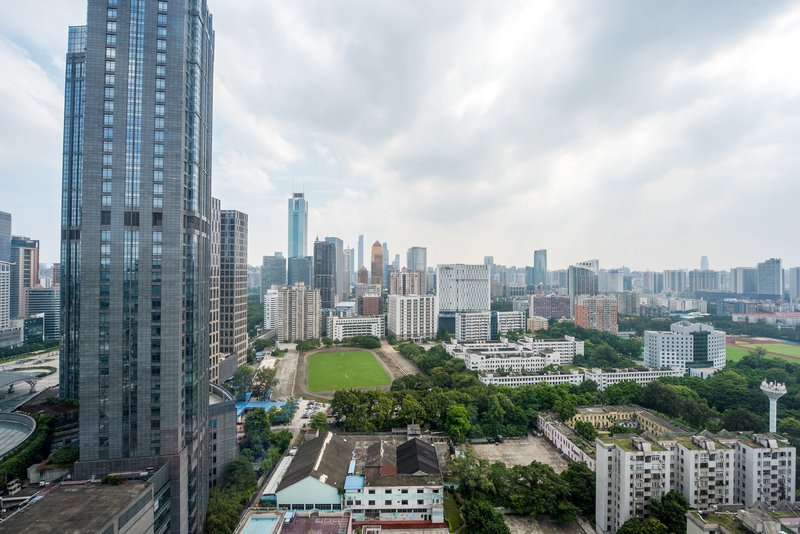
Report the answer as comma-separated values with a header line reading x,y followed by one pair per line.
x,y
463,288
473,326
344,327
272,308
794,283
685,345
509,321
413,317
5,295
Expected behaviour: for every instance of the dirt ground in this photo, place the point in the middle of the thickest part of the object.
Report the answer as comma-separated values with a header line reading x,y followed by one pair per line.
x,y
522,452
518,524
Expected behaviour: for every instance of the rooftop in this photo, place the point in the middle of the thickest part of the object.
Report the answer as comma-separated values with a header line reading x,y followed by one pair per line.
x,y
75,508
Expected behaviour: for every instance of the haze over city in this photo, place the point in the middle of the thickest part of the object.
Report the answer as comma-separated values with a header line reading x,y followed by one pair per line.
x,y
641,135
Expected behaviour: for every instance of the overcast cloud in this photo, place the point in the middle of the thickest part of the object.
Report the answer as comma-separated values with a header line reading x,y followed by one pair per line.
x,y
638,134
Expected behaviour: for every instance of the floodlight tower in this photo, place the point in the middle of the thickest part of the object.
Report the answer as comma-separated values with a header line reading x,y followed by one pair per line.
x,y
774,391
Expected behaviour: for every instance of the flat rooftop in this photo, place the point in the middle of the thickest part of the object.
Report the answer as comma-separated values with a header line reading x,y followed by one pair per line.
x,y
75,509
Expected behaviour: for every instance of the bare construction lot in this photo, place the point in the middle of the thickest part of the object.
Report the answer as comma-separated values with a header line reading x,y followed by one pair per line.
x,y
522,452
518,524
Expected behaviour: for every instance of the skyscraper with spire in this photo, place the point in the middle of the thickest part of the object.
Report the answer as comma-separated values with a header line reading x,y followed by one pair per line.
x,y
298,225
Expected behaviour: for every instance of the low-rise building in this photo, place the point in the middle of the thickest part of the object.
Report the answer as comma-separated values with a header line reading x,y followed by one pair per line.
x,y
537,323
605,378
566,440
344,327
567,348
525,379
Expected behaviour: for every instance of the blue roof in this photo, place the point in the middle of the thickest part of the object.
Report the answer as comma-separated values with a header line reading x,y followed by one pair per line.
x,y
265,405
353,482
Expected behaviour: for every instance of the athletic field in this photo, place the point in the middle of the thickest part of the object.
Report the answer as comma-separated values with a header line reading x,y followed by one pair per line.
x,y
738,347
329,371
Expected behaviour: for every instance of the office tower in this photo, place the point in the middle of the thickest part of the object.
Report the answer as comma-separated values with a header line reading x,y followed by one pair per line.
x,y
598,312
298,225
610,281
300,270
5,295
56,275
24,272
417,259
349,269
300,313
540,267
794,283
405,282
675,281
376,264
770,277
342,283
214,290
360,252
141,201
685,345
254,279
325,272
233,285
363,276
488,261
463,288
703,263
581,280
273,271
46,300
385,272
396,262
5,236
71,185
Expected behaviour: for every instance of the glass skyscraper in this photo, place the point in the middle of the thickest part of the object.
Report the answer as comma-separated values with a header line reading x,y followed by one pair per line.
x,y
135,244
540,267
298,225
5,236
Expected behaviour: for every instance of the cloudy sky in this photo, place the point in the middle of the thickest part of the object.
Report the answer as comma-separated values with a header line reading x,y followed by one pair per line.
x,y
638,134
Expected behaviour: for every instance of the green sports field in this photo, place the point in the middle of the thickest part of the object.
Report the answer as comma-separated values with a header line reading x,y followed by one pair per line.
x,y
734,354
774,348
329,371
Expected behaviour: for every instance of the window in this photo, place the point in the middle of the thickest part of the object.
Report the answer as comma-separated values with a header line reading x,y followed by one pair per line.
x,y
162,31
111,26
158,189
158,176
161,44
108,146
108,105
108,119
158,136
111,39
162,20
111,53
159,96
109,79
108,133
161,70
387,502
162,6
159,122
158,202
161,57
106,174
158,163
105,217
110,66
158,150
107,159
105,201
112,13
160,83
108,92
105,235
160,109
106,187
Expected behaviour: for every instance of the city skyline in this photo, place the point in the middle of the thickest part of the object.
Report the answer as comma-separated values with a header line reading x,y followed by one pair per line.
x,y
721,82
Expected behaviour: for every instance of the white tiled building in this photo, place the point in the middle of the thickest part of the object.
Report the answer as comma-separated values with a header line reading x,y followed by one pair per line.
x,y
685,345
603,379
463,287
272,309
473,326
567,348
509,321
413,317
516,380
343,327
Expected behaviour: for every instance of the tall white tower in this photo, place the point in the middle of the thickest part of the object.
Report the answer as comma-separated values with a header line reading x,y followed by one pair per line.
x,y
774,391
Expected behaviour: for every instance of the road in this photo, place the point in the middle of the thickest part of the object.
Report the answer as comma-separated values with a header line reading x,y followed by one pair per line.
x,y
286,366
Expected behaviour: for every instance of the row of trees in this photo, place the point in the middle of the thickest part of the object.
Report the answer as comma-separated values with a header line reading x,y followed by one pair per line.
x,y
246,378
534,490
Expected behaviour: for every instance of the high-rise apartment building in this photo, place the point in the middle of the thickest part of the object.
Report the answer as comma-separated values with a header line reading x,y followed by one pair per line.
x,y
342,276
298,225
703,280
598,312
540,267
301,313
272,309
214,290
770,277
744,280
653,282
412,317
5,295
273,271
325,274
24,272
5,236
675,281
685,345
405,282
703,263
300,270
233,285
349,269
376,264
139,199
794,283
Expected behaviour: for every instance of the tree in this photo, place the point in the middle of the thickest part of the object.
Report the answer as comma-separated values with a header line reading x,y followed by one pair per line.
x,y
580,481
481,518
586,430
640,526
625,392
458,425
265,379
318,422
742,419
241,381
411,410
671,511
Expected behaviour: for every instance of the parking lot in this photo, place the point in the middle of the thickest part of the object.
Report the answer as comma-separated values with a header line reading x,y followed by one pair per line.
x,y
522,452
